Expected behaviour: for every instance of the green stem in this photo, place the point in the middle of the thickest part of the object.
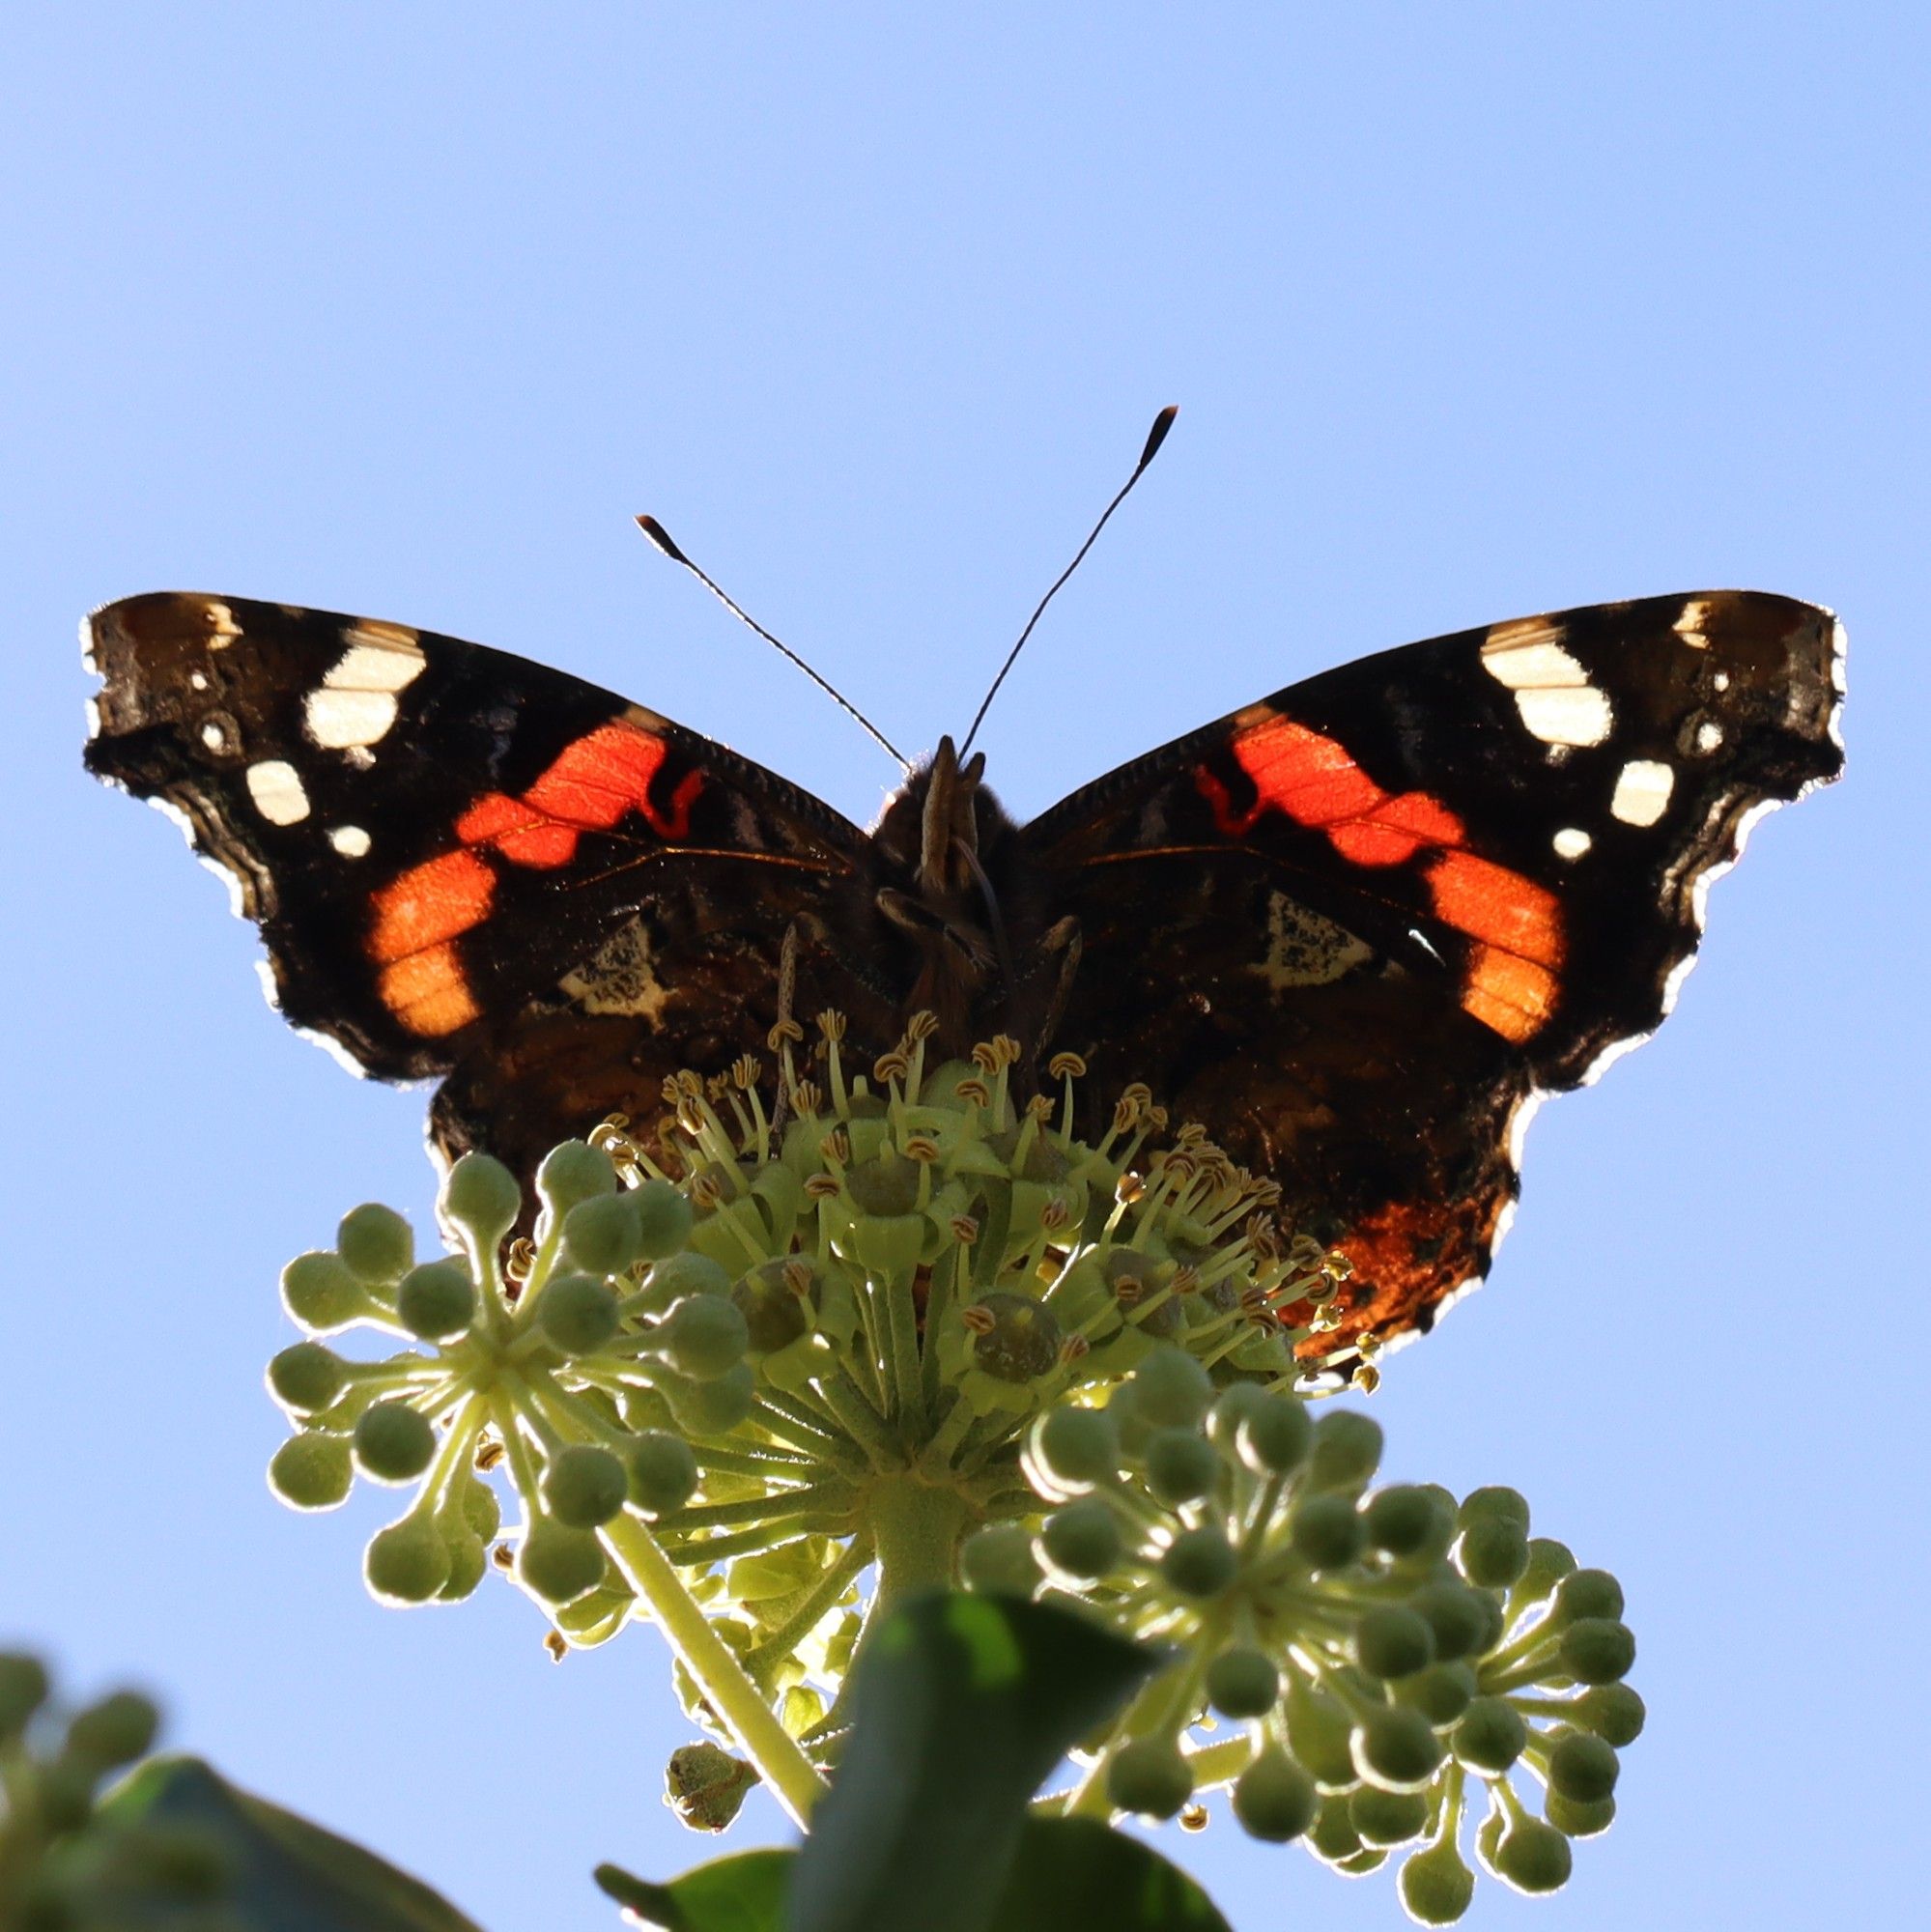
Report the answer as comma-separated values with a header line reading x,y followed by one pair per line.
x,y
902,1321
778,1644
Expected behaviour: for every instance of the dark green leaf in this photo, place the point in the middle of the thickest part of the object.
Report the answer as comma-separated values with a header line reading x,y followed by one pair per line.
x,y
960,1706
743,1894
286,1875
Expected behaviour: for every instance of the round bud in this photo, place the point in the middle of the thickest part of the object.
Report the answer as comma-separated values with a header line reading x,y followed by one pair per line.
x,y
1182,1467
115,1731
23,1689
1613,1711
1083,1542
1149,1776
1496,1500
1435,1885
998,1561
1392,1641
1533,1858
714,1407
1346,1452
394,1443
322,1295
1582,1767
678,1275
1274,1798
1023,1343
1407,1521
574,1171
1394,1746
469,1565
576,1314
1273,1437
1243,1682
887,1186
559,1564
408,1562
662,1472
1441,1692
1457,1616
307,1378
1320,1729
481,1513
1576,1820
1587,1593
481,1197
1327,1530
1230,1407
436,1300
600,1235
1388,1817
584,1486
1170,1389
1491,1736
376,1242
705,1335
1598,1650
1550,1562
312,1470
773,1312
1199,1562
1077,1445
1492,1552
664,1220
1332,1838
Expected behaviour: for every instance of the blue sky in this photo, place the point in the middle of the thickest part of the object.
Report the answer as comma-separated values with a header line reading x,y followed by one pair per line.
x,y
1471,312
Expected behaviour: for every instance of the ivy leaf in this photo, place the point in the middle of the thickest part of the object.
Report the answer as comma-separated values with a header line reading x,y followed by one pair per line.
x,y
742,1894
283,1871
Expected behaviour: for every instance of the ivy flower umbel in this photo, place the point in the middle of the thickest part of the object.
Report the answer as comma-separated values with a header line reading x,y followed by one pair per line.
x,y
1386,1655
782,1342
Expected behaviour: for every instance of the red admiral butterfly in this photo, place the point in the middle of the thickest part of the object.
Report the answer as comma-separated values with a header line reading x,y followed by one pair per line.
x,y
1355,929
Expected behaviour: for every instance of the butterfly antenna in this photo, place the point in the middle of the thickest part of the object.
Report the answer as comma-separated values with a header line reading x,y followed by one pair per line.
x,y
1155,437
661,537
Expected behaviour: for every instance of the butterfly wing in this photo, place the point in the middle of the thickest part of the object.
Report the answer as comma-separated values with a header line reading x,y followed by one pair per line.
x,y
470,867
1356,928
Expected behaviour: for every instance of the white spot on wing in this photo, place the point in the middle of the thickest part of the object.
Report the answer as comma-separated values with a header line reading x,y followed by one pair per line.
x,y
1572,842
351,840
222,629
1552,691
1567,715
1643,792
276,787
1709,735
1690,625
197,680
355,702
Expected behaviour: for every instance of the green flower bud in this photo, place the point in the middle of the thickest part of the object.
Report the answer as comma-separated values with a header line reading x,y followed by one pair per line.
x,y
1457,1616
706,1786
115,1731
481,1197
1327,1530
886,1187
307,1378
571,1173
1274,1798
1023,1343
1332,1838
662,1472
408,1562
664,1220
469,1565
1243,1682
600,1235
436,1300
23,1689
394,1443
1613,1711
705,1336
1533,1858
1170,1389
1182,1467
1081,1543
1582,1767
557,1563
376,1242
1491,1736
1387,1818
1435,1885
1149,1776
1441,1692
64,1794
1078,1447
1274,1438
479,1510
1598,1650
1199,1562
1550,1562
1230,1407
1409,1521
678,1275
576,1314
1492,1552
312,1470
1392,1641
322,1295
584,1485
1319,1734
1586,1593
998,1561
1394,1746
1496,1501
1576,1820
775,1314
714,1407
1346,1450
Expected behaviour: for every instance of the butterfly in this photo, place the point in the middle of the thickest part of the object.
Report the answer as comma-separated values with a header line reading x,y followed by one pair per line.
x,y
1356,930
